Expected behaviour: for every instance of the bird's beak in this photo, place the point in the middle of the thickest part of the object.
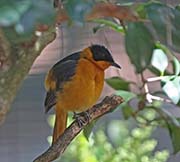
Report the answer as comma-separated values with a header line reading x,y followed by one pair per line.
x,y
115,65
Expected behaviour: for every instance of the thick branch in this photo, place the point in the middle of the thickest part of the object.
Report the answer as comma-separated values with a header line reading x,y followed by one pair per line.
x,y
57,149
16,65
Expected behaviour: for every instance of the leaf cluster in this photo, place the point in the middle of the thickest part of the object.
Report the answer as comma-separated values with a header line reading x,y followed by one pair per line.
x,y
20,18
119,143
153,45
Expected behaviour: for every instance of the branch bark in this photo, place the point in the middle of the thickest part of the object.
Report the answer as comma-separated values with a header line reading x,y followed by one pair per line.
x,y
57,149
16,60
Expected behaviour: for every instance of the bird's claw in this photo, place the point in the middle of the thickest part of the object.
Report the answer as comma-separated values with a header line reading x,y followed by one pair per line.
x,y
81,118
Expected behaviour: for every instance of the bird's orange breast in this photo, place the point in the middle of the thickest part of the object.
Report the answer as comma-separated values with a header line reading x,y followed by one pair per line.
x,y
84,89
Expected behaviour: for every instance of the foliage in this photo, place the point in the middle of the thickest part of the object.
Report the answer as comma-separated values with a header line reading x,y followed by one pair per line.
x,y
20,18
118,83
139,45
121,142
152,42
151,45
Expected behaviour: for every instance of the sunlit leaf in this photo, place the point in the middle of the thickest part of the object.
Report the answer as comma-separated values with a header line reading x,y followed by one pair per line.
x,y
111,24
172,89
176,66
159,60
139,45
118,83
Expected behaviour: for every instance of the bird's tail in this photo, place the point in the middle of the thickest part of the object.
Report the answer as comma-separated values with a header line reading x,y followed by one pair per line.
x,y
60,123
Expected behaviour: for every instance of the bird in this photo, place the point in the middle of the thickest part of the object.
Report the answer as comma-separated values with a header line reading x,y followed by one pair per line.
x,y
75,83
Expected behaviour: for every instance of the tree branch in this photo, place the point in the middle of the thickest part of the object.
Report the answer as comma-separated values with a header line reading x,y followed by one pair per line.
x,y
57,149
16,60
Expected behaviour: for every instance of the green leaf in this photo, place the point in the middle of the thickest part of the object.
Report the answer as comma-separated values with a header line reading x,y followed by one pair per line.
x,y
77,9
111,24
126,95
176,66
139,45
88,130
172,88
174,132
175,29
118,83
127,111
166,22
157,13
159,60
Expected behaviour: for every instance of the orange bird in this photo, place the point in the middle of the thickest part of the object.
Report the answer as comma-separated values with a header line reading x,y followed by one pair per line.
x,y
75,83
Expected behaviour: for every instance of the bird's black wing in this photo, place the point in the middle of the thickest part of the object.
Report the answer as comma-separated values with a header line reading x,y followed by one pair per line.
x,y
61,72
50,100
74,56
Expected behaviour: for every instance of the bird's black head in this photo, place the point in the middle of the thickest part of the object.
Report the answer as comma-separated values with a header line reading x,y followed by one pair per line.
x,y
100,53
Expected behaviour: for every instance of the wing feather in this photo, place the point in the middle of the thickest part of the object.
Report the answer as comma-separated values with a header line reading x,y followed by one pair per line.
x,y
50,100
60,73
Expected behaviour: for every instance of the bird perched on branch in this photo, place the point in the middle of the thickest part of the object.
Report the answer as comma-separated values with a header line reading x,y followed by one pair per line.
x,y
75,83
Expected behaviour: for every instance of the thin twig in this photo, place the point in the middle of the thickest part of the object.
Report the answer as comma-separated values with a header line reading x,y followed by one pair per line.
x,y
154,79
149,96
57,149
157,98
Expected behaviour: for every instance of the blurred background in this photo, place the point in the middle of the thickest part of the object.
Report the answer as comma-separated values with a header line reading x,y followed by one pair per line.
x,y
24,135
27,130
